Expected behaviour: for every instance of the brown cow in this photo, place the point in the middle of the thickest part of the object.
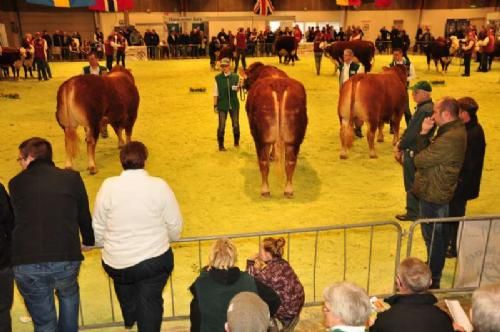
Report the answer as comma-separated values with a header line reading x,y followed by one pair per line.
x,y
277,114
92,102
375,99
363,50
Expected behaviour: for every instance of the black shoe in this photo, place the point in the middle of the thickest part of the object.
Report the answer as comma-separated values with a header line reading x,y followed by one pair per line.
x,y
358,133
404,217
465,75
451,253
222,148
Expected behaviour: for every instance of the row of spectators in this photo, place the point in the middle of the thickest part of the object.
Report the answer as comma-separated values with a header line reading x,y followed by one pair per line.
x,y
136,216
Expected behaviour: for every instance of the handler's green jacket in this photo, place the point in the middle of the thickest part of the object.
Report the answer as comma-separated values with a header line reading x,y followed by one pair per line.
x,y
228,98
438,163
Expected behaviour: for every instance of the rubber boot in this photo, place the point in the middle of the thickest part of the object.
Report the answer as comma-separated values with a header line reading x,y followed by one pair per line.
x,y
221,145
236,141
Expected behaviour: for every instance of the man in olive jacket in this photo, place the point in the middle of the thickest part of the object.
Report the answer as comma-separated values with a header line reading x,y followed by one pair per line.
x,y
226,101
438,165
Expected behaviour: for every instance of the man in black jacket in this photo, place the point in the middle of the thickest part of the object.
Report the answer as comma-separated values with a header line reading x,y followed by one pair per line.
x,y
6,276
413,309
50,208
469,180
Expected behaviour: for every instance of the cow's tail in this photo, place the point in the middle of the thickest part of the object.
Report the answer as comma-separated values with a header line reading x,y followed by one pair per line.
x,y
279,90
64,116
348,126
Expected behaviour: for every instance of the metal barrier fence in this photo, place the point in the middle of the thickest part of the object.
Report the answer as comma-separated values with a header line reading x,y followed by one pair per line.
x,y
473,254
328,251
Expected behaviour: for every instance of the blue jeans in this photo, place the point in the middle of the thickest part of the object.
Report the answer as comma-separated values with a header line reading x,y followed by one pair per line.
x,y
37,283
436,238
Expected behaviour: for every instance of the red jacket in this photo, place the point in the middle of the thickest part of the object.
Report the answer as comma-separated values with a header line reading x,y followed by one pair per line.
x,y
241,40
490,48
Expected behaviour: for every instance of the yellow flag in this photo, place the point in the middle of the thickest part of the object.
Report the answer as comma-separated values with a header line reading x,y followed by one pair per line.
x,y
343,2
61,3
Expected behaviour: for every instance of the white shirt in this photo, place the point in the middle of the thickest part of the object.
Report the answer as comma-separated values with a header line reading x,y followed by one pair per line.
x,y
136,216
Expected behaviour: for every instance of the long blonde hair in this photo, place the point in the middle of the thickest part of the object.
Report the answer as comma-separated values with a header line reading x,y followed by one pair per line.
x,y
223,255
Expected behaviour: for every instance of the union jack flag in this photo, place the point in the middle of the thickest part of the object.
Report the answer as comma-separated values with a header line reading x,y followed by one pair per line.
x,y
263,7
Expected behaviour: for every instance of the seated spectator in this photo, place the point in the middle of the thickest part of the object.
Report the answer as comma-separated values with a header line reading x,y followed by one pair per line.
x,y
247,313
347,308
136,216
485,313
413,308
217,284
272,270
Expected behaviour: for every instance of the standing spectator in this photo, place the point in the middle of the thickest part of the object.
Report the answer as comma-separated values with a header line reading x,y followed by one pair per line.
x,y
346,309
121,47
469,179
413,309
195,42
396,40
318,46
347,69
48,41
135,38
397,59
136,216
407,145
406,44
384,33
297,35
438,163
270,37
426,43
487,51
468,49
226,101
58,39
213,47
68,41
155,41
418,38
218,283
40,56
341,35
247,313
241,48
484,312
109,51
6,276
222,36
99,43
147,42
172,44
272,270
50,206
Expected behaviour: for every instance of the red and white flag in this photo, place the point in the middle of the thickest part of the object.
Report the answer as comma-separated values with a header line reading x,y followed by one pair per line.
x,y
263,7
112,5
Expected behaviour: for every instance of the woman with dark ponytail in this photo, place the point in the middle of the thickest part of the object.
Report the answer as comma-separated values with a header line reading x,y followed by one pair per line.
x,y
272,270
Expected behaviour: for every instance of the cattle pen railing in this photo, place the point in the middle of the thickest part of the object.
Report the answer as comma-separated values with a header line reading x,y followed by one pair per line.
x,y
478,251
319,256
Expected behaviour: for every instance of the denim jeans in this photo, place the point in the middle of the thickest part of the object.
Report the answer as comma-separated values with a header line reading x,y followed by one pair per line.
x,y
234,114
436,238
139,290
6,297
37,283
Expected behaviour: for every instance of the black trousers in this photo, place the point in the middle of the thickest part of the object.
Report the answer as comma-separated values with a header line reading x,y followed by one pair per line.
x,y
109,62
457,209
139,290
240,54
120,56
234,114
41,67
467,58
6,298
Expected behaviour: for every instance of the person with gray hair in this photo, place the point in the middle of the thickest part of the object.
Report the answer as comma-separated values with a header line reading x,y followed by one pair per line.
x,y
413,309
485,304
247,312
346,308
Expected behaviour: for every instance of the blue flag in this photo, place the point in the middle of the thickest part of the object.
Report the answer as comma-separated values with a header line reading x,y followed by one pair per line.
x,y
63,3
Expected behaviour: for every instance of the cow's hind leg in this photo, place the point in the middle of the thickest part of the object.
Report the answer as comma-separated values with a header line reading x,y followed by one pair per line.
x,y
119,133
370,136
380,134
71,145
290,163
92,134
397,121
263,154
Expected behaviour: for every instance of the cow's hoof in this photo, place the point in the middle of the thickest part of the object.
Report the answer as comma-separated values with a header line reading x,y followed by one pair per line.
x,y
92,170
380,140
373,156
343,156
266,194
288,194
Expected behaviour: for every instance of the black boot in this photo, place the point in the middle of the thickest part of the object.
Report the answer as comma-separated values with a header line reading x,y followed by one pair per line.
x,y
221,145
358,132
236,141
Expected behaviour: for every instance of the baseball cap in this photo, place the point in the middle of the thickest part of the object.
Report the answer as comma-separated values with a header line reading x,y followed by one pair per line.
x,y
422,85
225,62
248,313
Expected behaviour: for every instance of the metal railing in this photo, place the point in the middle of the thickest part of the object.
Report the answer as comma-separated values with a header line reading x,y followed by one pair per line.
x,y
488,226
324,244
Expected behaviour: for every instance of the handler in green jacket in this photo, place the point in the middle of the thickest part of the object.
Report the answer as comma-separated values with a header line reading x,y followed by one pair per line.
x,y
226,101
407,146
94,68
